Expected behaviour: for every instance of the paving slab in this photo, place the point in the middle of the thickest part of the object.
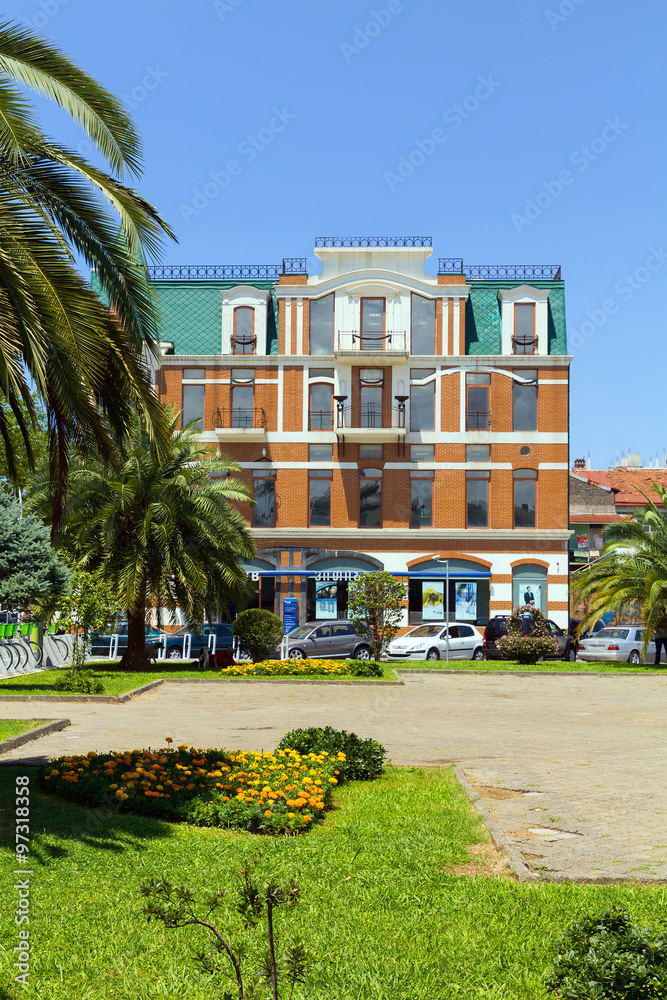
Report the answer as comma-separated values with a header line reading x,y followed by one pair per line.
x,y
572,768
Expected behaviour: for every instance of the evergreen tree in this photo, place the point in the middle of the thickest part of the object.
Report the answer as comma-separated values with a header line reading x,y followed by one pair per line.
x,y
30,570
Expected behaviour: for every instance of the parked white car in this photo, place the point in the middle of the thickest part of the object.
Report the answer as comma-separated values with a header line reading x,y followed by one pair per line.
x,y
622,644
429,642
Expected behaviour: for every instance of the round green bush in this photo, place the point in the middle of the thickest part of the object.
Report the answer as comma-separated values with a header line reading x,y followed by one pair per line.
x,y
79,682
259,633
365,668
608,956
364,759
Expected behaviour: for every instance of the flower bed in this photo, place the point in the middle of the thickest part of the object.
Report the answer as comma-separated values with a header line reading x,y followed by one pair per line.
x,y
289,668
250,790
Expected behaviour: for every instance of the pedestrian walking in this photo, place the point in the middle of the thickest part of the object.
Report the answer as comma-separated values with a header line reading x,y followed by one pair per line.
x,y
660,637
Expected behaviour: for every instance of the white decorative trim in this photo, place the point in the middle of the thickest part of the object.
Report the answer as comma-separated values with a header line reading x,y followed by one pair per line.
x,y
281,398
524,293
288,327
299,326
462,401
456,347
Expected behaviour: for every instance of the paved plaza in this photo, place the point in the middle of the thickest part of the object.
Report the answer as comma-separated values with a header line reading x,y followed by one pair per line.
x,y
582,757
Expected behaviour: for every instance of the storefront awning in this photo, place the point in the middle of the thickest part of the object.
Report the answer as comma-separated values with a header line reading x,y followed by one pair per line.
x,y
342,574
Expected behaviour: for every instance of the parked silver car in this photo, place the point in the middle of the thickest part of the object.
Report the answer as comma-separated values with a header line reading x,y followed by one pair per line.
x,y
429,642
622,644
327,640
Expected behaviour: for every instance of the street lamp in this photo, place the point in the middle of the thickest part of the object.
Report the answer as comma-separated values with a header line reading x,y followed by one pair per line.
x,y
446,563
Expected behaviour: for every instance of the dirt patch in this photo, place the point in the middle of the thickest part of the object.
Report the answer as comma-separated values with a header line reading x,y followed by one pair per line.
x,y
486,860
491,792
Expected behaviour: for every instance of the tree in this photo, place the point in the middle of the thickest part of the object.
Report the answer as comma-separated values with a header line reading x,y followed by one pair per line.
x,y
36,423
259,632
159,528
375,608
89,605
30,570
633,567
82,353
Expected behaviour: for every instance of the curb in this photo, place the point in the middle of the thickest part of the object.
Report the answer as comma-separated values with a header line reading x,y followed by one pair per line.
x,y
33,734
82,699
514,855
523,673
282,680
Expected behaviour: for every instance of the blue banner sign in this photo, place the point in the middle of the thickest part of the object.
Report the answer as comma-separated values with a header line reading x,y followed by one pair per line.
x,y
290,614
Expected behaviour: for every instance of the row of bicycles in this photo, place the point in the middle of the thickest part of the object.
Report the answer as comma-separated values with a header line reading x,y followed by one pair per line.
x,y
20,652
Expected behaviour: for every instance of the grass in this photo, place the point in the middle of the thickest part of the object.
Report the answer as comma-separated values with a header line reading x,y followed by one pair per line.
x,y
381,912
117,681
13,727
550,666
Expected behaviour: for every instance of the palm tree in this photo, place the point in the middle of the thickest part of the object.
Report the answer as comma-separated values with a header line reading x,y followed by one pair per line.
x,y
160,529
84,356
632,568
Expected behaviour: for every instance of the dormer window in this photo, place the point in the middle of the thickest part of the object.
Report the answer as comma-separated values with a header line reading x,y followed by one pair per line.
x,y
524,340
244,339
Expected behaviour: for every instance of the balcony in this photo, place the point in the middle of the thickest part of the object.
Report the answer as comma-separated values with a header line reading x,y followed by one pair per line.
x,y
240,423
386,348
369,425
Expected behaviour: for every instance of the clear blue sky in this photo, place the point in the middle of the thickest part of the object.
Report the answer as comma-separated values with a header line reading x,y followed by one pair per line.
x,y
316,103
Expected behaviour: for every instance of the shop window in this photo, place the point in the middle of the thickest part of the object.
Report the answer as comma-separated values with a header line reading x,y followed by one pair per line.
x,y
321,406
478,416
319,497
422,401
478,453
529,586
525,482
467,600
264,511
244,339
524,401
372,324
321,328
370,498
423,325
524,328
421,499
422,452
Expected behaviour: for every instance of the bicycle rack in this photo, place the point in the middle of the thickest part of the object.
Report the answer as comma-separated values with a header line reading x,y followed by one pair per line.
x,y
187,645
212,639
162,653
113,646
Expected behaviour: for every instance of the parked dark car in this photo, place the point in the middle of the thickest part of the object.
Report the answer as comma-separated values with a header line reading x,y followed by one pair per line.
x,y
327,640
497,627
101,642
223,640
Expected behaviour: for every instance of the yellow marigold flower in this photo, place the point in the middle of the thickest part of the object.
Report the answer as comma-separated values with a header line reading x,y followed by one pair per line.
x,y
190,787
112,787
268,813
306,819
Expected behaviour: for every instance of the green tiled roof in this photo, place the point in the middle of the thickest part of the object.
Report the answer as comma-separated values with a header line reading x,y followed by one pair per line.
x,y
483,335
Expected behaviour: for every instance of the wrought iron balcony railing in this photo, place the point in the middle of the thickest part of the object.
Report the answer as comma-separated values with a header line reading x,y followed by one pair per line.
x,y
370,415
478,420
355,340
239,417
320,420
455,265
373,241
524,345
243,345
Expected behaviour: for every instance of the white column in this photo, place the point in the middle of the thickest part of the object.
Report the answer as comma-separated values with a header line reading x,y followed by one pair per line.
x,y
455,338
438,403
463,403
281,398
288,326
299,326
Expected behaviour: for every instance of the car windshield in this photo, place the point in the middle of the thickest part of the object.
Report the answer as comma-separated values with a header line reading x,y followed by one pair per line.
x,y
424,632
300,632
612,633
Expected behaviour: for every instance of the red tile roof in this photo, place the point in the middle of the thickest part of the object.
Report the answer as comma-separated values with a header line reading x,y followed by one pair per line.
x,y
628,484
595,518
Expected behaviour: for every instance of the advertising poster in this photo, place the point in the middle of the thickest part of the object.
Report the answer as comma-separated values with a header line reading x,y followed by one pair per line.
x,y
465,602
326,600
582,541
531,593
433,600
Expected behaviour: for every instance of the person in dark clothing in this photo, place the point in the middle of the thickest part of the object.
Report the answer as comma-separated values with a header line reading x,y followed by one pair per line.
x,y
660,637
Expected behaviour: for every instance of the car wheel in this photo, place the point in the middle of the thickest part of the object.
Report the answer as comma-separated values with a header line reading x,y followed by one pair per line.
x,y
478,654
174,653
433,654
362,653
633,657
296,654
571,655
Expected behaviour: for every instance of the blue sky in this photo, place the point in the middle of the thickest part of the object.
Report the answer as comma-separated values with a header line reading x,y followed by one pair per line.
x,y
540,124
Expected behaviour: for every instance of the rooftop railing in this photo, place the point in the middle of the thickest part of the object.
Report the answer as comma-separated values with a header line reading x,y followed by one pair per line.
x,y
455,265
373,241
226,272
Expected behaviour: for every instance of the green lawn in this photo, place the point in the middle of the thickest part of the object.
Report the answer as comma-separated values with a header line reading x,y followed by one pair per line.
x,y
550,666
118,681
12,727
381,912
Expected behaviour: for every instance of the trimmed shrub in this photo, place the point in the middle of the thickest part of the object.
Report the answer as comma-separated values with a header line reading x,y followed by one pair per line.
x,y
259,633
364,759
365,668
79,682
608,956
527,641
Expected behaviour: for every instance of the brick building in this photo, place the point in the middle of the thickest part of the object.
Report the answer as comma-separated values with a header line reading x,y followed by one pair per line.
x,y
386,418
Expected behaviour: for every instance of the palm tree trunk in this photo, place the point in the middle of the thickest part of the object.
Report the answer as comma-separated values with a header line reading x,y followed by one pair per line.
x,y
134,657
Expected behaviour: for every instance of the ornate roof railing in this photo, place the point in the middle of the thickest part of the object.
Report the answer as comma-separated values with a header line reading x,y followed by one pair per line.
x,y
373,241
226,272
455,265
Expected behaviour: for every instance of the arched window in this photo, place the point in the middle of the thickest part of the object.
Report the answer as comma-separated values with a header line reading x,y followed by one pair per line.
x,y
244,339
